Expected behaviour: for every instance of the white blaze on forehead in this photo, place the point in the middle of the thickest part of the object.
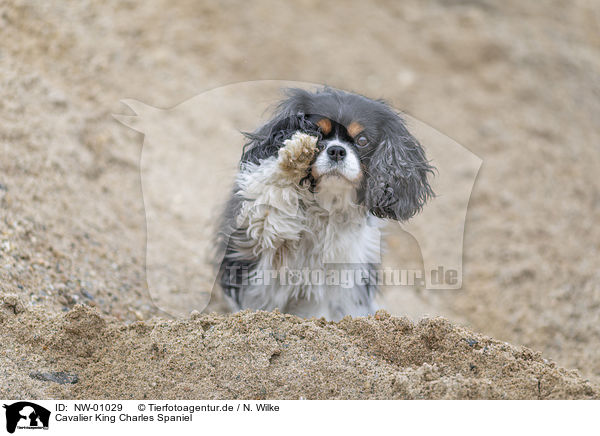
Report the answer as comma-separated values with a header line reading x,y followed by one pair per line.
x,y
349,167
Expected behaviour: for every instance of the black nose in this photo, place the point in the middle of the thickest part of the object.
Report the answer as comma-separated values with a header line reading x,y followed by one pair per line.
x,y
336,153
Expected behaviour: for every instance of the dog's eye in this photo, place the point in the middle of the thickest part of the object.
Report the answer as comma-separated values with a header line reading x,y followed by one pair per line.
x,y
362,141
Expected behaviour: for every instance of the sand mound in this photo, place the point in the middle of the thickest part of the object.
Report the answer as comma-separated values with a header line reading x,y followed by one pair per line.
x,y
258,355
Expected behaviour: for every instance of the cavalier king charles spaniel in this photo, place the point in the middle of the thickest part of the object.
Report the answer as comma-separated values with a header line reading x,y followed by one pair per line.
x,y
301,230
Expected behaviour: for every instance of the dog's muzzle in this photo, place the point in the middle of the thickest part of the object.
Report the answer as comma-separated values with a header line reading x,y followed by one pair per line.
x,y
336,153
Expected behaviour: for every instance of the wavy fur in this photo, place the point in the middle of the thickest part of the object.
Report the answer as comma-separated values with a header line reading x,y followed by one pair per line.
x,y
301,221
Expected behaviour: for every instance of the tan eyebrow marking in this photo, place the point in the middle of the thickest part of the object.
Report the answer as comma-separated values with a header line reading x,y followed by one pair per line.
x,y
325,125
354,128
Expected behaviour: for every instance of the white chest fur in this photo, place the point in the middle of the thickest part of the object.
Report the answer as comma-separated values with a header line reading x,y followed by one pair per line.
x,y
321,271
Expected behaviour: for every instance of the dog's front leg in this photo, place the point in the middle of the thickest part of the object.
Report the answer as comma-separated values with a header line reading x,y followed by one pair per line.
x,y
270,213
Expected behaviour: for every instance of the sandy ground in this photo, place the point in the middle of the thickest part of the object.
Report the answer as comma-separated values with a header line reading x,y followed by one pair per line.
x,y
269,355
517,84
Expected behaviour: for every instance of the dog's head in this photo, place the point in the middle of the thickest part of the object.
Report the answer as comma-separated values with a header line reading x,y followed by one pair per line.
x,y
362,143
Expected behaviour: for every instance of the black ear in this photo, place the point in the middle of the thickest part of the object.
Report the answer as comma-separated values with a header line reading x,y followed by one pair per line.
x,y
397,186
289,118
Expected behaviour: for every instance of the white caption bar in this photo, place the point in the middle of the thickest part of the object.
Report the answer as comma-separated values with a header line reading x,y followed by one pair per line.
x,y
23,417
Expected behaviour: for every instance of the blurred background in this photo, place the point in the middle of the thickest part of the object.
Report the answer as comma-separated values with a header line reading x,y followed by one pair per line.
x,y
517,83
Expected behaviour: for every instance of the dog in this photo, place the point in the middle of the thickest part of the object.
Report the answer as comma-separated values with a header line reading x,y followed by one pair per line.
x,y
301,230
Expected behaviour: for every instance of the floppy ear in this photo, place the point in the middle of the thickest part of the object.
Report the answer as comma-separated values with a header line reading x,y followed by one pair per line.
x,y
288,119
397,185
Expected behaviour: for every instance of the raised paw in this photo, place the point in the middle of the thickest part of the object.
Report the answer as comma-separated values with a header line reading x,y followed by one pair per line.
x,y
297,154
